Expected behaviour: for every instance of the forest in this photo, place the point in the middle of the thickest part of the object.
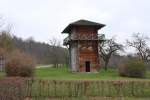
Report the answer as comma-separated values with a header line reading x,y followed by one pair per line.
x,y
44,53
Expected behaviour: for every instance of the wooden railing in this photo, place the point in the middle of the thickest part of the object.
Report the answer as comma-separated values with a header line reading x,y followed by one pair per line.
x,y
83,37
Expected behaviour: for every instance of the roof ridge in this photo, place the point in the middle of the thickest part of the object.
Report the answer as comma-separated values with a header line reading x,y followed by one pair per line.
x,y
85,21
82,22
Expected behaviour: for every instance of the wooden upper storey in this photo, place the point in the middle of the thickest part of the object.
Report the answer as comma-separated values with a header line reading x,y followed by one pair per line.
x,y
82,30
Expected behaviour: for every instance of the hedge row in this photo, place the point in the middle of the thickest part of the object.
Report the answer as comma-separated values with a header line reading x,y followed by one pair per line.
x,y
34,88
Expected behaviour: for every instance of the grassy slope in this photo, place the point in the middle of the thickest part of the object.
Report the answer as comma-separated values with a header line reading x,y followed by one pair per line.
x,y
64,74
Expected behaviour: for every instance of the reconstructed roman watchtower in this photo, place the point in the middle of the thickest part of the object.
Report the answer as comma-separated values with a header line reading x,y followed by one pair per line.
x,y
83,45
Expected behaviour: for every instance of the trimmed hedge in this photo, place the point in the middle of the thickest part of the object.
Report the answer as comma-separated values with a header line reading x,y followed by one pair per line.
x,y
35,88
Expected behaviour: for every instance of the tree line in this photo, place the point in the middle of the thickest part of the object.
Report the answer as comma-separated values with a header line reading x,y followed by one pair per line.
x,y
108,50
44,53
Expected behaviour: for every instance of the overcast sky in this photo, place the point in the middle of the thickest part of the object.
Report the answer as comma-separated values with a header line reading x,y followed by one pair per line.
x,y
45,19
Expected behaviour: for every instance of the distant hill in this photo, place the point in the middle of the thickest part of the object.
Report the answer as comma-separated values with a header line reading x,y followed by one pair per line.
x,y
44,53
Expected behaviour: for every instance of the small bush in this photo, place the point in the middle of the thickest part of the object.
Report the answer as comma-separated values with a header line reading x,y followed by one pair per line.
x,y
20,64
132,68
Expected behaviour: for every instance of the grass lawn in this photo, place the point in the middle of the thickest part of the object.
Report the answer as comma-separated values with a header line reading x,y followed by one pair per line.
x,y
64,74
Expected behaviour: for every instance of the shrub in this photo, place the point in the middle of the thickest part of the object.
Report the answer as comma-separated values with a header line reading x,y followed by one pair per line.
x,y
20,64
132,68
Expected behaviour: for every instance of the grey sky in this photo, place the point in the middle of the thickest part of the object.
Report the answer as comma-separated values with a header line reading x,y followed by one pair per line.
x,y
45,19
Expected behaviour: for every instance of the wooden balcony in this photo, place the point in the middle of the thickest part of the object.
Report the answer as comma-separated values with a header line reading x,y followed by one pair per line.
x,y
83,37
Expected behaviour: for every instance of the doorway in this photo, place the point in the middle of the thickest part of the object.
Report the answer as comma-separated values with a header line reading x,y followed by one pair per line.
x,y
87,66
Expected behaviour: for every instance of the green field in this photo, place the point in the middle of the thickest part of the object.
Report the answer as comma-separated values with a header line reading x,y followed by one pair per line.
x,y
65,74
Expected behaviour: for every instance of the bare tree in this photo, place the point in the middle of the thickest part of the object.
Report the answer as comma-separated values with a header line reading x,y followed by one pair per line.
x,y
6,41
140,43
6,46
1,21
107,48
55,43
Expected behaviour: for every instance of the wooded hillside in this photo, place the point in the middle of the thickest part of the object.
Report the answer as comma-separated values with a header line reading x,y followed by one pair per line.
x,y
44,53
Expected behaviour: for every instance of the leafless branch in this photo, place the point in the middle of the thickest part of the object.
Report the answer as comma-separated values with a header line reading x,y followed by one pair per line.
x,y
140,43
107,48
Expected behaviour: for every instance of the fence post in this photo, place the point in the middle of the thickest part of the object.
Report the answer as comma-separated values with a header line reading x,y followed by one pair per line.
x,y
132,88
55,88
